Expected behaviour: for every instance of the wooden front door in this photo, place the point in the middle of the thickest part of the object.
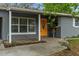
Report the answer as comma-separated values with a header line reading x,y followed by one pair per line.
x,y
43,27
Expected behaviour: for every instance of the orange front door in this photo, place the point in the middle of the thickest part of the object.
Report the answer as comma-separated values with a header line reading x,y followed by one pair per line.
x,y
43,27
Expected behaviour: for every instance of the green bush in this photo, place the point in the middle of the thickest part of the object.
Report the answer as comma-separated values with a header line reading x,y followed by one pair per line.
x,y
73,36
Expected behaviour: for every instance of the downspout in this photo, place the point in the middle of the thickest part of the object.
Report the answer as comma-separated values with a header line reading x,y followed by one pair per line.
x,y
10,14
39,36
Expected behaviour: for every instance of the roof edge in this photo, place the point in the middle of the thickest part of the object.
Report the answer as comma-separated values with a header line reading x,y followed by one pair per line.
x,y
36,11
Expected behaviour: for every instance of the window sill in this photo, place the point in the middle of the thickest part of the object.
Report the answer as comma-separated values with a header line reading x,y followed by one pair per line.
x,y
76,26
23,33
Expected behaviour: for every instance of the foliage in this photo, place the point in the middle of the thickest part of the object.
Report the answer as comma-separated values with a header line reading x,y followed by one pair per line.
x,y
22,5
73,42
68,8
51,21
77,36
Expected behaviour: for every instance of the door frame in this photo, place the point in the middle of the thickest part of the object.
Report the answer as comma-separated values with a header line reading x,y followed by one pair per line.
x,y
1,27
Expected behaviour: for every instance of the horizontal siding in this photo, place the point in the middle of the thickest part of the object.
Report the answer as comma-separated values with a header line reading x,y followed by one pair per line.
x,y
67,29
28,36
5,24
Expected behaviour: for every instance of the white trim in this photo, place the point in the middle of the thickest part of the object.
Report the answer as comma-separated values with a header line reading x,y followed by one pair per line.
x,y
18,24
23,33
74,23
23,17
39,36
10,39
27,26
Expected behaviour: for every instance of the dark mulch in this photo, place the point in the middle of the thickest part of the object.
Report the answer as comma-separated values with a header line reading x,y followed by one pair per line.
x,y
65,52
6,45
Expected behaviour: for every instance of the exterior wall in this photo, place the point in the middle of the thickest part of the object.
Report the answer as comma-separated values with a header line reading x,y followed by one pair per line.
x,y
67,29
5,24
66,23
26,36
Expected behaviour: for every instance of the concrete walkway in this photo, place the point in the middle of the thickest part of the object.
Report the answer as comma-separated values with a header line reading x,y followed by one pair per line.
x,y
40,49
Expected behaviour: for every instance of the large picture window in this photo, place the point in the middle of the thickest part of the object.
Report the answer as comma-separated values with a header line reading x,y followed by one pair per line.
x,y
23,25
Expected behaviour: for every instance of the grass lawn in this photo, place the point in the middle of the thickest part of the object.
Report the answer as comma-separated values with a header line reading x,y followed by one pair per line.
x,y
74,48
73,41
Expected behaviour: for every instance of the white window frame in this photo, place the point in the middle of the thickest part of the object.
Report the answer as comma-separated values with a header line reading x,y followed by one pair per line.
x,y
74,23
20,33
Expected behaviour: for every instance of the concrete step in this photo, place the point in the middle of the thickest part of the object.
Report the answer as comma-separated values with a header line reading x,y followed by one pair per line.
x,y
1,44
1,41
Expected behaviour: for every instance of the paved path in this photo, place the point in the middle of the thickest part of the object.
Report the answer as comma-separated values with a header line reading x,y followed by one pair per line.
x,y
41,49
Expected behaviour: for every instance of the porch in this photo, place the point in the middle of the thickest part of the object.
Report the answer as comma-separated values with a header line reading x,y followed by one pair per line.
x,y
42,49
23,24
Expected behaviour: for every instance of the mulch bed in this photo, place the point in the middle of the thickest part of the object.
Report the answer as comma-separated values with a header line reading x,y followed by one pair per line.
x,y
65,53
7,45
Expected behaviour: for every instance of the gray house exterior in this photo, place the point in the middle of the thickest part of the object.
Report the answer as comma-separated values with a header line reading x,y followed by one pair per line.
x,y
5,22
67,27
66,24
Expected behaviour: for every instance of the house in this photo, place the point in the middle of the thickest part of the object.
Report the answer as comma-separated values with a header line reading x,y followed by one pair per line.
x,y
19,23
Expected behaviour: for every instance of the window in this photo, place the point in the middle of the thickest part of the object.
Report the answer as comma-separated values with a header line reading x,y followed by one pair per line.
x,y
76,22
14,28
23,21
23,25
31,25
14,24
14,20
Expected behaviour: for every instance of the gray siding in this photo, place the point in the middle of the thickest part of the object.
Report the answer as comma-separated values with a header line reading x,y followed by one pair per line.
x,y
4,15
67,29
